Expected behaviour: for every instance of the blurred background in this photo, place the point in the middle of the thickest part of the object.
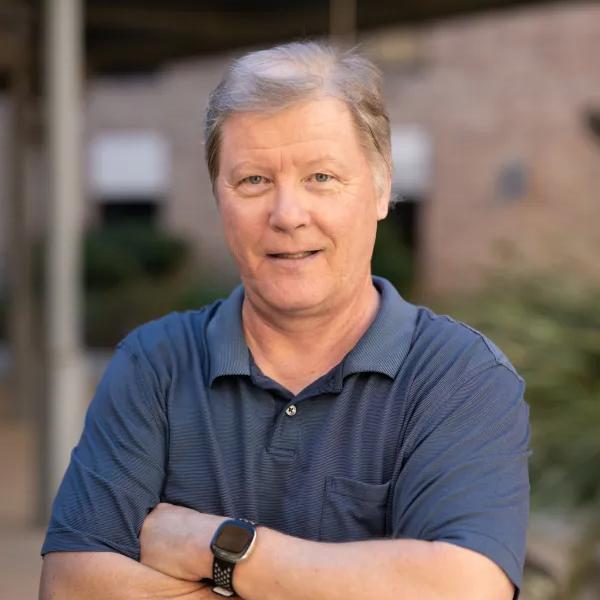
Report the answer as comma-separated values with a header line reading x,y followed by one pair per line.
x,y
107,218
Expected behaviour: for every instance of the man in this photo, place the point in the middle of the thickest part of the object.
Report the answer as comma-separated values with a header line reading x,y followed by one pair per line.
x,y
381,449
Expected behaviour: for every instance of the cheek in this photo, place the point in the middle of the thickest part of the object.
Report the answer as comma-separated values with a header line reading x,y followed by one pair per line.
x,y
354,239
241,230
359,233
359,220
232,226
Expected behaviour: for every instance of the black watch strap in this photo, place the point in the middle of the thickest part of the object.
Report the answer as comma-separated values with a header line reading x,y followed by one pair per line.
x,y
222,577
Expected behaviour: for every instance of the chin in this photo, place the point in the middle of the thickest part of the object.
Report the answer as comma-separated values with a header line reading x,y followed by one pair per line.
x,y
293,298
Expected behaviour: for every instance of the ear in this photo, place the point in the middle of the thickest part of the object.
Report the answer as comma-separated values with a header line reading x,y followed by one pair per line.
x,y
383,198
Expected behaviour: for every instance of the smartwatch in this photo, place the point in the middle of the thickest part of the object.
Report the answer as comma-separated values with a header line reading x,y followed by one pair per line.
x,y
232,542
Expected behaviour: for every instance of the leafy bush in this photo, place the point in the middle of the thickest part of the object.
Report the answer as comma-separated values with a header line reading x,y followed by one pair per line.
x,y
136,273
550,329
111,313
118,254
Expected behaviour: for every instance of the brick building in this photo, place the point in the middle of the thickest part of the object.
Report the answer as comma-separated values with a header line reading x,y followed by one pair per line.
x,y
510,100
506,103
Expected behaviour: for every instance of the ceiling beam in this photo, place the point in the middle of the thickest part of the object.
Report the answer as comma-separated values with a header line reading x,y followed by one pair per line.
x,y
197,37
179,22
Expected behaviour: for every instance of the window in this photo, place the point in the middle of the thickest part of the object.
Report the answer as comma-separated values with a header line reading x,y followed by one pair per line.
x,y
412,158
129,176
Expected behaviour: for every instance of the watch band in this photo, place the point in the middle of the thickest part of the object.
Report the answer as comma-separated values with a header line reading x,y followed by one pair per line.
x,y
222,576
223,571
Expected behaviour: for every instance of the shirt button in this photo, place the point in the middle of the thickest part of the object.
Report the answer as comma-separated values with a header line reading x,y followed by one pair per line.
x,y
290,411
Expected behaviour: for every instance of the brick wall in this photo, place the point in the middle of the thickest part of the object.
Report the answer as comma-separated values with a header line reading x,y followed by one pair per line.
x,y
171,103
495,89
505,88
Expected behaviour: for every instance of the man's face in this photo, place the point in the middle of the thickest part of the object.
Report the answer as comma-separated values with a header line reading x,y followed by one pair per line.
x,y
299,206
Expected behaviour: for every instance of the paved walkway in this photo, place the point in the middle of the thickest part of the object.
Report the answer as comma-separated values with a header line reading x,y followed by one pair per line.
x,y
20,562
20,543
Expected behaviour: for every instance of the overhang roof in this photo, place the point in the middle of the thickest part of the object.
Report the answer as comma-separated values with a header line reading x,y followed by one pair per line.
x,y
124,36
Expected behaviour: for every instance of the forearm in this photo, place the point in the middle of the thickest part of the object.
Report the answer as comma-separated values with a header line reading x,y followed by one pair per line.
x,y
110,576
287,568
175,540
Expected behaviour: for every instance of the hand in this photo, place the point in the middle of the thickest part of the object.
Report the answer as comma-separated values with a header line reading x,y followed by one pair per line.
x,y
176,541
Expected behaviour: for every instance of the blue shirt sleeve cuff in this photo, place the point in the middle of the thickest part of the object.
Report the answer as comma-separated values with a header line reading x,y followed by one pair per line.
x,y
70,540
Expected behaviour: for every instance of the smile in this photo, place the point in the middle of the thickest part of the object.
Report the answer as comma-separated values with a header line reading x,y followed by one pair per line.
x,y
293,255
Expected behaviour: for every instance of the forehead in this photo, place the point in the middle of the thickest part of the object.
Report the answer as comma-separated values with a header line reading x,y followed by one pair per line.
x,y
300,129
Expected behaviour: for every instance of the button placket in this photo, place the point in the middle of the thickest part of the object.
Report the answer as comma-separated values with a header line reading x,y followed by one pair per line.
x,y
286,430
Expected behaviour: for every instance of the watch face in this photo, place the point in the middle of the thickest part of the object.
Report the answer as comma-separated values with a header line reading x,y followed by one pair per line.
x,y
233,538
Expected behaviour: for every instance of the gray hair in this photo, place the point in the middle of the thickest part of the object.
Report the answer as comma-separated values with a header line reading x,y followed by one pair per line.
x,y
270,80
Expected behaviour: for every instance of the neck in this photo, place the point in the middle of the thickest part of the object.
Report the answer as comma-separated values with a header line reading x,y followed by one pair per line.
x,y
295,350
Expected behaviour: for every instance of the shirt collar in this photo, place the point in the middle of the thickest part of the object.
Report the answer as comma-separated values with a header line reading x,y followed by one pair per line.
x,y
382,348
387,341
227,349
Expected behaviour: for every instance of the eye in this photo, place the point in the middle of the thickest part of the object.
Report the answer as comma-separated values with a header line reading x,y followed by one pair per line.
x,y
254,179
321,177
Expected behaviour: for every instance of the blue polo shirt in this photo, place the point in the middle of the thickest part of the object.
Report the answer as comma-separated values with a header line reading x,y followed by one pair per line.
x,y
420,432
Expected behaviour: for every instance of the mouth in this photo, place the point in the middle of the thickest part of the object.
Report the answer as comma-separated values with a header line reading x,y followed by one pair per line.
x,y
292,255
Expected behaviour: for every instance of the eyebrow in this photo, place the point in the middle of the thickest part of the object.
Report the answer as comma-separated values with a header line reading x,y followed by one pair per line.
x,y
324,158
245,164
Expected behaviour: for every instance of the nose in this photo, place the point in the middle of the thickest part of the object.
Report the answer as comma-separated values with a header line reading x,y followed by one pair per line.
x,y
288,211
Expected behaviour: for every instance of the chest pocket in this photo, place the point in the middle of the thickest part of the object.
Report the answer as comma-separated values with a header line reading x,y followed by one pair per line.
x,y
353,510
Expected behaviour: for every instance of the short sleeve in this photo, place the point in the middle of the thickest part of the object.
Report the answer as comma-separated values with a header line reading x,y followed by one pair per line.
x,y
116,471
465,477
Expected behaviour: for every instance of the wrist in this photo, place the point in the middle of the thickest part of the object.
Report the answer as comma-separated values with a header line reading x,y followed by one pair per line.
x,y
233,543
204,560
201,554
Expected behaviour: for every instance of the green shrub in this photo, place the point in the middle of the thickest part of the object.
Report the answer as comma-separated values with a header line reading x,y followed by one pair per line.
x,y
117,255
111,314
136,273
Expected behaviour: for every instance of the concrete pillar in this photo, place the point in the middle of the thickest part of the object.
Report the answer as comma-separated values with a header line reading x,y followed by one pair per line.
x,y
66,374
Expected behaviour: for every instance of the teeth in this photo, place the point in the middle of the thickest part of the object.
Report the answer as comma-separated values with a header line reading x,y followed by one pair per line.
x,y
294,255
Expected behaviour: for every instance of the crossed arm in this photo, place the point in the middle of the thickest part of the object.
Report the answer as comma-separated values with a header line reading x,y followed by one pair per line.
x,y
175,556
